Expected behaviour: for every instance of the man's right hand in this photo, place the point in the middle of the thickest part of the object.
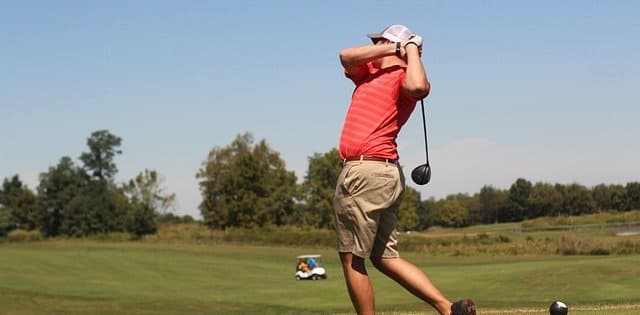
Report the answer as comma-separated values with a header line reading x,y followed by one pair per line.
x,y
414,39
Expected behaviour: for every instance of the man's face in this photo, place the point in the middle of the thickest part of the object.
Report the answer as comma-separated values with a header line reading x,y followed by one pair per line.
x,y
379,41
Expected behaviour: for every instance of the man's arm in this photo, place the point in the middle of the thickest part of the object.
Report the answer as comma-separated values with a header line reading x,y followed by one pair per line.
x,y
353,58
415,81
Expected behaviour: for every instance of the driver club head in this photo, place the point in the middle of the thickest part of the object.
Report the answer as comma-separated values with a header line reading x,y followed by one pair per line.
x,y
421,175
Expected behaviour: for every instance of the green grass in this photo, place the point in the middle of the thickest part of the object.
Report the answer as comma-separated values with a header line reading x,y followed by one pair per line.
x,y
89,277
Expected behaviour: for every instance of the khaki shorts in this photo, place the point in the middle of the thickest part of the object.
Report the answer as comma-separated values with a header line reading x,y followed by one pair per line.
x,y
366,202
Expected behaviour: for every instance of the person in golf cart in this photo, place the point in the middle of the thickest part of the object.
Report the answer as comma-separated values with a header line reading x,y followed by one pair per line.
x,y
303,265
311,261
310,267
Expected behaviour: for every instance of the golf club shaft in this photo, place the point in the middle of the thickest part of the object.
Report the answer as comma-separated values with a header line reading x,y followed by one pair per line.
x,y
424,127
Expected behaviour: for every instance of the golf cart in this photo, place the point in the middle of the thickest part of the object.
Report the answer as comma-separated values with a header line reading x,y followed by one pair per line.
x,y
309,267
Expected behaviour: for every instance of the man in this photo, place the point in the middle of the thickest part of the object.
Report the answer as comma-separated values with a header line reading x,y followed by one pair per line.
x,y
390,78
312,262
303,266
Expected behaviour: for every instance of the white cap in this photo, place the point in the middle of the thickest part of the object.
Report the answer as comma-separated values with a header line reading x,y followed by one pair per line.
x,y
394,33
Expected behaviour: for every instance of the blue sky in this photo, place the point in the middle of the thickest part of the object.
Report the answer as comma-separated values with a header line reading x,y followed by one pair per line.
x,y
544,90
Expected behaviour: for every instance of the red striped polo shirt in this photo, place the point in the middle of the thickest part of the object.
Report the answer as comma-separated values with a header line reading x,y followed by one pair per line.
x,y
378,109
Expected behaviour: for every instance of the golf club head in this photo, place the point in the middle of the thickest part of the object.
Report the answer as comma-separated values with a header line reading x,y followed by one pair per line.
x,y
421,175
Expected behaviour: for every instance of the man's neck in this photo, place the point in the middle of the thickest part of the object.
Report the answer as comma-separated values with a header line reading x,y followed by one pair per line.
x,y
391,61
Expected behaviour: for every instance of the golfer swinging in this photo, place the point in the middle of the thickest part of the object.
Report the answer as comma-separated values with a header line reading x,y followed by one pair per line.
x,y
390,78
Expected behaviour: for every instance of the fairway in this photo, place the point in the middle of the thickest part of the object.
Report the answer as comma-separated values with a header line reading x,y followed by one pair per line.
x,y
82,277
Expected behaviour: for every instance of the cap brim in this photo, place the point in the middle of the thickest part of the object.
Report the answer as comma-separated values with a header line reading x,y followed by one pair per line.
x,y
382,35
375,37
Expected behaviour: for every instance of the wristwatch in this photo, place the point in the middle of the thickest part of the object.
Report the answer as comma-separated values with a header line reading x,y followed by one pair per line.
x,y
407,44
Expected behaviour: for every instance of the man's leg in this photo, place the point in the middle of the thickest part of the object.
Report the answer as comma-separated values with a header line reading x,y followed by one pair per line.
x,y
414,280
358,284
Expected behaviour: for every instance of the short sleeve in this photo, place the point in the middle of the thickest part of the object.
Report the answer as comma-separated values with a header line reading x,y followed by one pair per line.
x,y
408,98
362,72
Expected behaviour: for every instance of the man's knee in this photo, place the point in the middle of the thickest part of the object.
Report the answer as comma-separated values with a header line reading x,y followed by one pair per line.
x,y
378,263
353,262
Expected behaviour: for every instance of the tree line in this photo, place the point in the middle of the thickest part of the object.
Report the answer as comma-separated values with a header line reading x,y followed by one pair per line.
x,y
81,200
525,200
246,185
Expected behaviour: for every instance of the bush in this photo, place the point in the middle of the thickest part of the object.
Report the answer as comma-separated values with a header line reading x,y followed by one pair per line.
x,y
111,237
503,239
599,252
171,218
627,247
140,221
448,244
18,236
602,218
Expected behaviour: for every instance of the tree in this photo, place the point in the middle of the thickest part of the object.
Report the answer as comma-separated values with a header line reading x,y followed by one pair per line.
x,y
99,209
147,189
610,197
544,200
517,206
618,197
276,186
246,185
602,197
452,213
4,221
318,189
578,200
492,201
408,212
471,203
633,195
140,221
57,188
172,218
148,199
427,214
20,203
102,151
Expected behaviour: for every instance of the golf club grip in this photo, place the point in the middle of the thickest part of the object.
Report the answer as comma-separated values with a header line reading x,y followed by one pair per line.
x,y
424,127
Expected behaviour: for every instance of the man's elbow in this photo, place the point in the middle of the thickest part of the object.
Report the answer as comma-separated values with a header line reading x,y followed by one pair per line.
x,y
345,57
349,57
419,90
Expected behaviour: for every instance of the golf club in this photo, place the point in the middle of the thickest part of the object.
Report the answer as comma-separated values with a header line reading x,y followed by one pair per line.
x,y
421,175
